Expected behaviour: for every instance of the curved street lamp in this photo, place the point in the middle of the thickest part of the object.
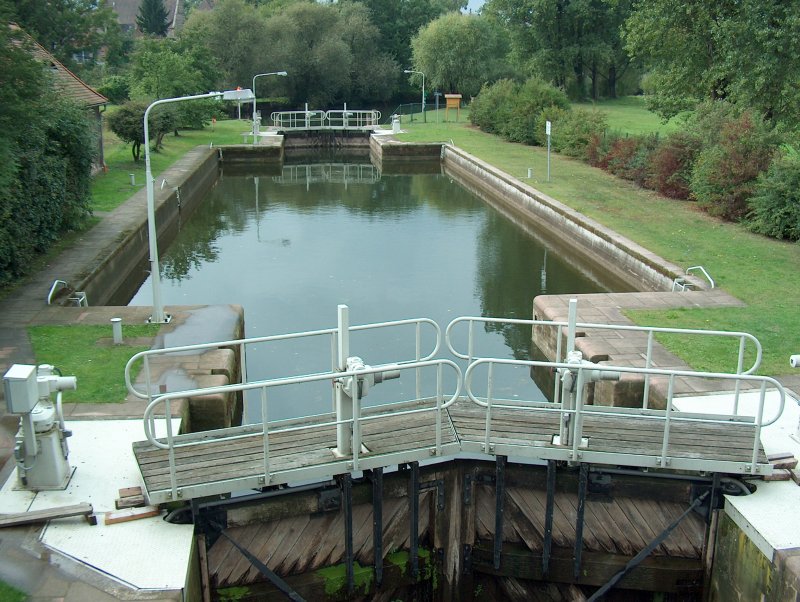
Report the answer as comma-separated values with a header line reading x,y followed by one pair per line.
x,y
159,316
255,131
423,90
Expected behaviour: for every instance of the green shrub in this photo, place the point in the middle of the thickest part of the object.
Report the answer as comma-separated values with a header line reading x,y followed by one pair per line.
x,y
775,204
576,131
46,191
671,164
724,175
527,105
116,88
493,105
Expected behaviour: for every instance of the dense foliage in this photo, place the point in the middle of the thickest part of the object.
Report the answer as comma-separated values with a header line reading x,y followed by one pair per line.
x,y
152,18
775,205
737,50
128,124
574,44
459,53
44,166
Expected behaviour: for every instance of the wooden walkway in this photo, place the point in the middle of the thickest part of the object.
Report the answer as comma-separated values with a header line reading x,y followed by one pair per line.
x,y
227,460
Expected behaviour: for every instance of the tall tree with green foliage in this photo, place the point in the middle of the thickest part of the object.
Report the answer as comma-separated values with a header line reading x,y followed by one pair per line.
x,y
738,50
152,18
567,42
69,29
400,20
459,53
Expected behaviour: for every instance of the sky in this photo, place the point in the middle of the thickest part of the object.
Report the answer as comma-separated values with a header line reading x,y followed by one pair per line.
x,y
475,5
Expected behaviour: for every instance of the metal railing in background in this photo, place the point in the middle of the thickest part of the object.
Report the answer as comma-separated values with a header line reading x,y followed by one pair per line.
x,y
572,415
241,344
651,331
325,120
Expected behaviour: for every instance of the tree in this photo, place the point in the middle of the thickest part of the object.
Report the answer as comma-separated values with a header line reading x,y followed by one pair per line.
x,y
458,53
234,39
737,50
152,18
128,124
398,21
158,70
567,41
69,28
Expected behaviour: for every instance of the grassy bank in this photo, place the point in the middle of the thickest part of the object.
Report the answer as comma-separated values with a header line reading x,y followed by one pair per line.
x,y
113,187
629,115
760,271
88,353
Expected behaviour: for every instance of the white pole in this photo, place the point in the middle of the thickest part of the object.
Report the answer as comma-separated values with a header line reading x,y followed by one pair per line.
x,y
547,131
344,403
158,316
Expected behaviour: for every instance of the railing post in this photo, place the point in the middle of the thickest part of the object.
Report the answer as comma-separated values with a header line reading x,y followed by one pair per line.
x,y
647,365
438,410
344,404
739,366
668,413
487,444
571,321
265,434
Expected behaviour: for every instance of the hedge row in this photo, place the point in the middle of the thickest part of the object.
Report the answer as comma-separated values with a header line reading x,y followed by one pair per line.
x,y
729,161
44,183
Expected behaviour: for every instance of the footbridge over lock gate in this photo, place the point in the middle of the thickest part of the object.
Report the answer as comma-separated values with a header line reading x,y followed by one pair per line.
x,y
464,415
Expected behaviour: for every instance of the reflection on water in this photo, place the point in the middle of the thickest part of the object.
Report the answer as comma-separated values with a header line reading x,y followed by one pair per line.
x,y
291,247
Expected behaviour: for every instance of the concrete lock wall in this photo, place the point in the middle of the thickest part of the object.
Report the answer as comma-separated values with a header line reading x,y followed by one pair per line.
x,y
742,573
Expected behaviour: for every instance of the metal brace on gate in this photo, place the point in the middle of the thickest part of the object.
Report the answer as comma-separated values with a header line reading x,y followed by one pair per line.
x,y
437,484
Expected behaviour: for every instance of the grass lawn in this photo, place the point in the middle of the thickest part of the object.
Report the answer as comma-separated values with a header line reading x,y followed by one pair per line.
x,y
88,353
10,594
629,115
760,271
113,187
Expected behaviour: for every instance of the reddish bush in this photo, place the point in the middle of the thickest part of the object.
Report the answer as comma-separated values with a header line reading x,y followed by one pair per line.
x,y
724,175
670,169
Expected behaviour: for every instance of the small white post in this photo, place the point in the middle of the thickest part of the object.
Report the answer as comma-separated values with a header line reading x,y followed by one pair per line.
x,y
116,330
547,131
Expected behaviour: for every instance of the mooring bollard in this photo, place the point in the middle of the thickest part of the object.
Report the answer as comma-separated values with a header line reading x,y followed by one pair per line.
x,y
116,329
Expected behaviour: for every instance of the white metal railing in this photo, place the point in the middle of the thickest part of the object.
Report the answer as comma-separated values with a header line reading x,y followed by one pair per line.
x,y
561,328
358,417
147,356
325,120
572,414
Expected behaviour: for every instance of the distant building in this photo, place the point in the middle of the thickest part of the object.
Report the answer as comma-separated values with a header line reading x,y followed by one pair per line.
x,y
128,10
72,87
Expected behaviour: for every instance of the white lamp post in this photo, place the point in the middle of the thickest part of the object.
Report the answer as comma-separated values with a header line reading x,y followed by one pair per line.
x,y
423,90
255,127
158,309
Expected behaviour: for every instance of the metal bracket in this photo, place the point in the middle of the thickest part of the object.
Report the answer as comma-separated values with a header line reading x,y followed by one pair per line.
x,y
437,484
329,500
466,567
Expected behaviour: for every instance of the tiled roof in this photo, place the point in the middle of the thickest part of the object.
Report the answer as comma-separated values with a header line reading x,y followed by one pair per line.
x,y
69,84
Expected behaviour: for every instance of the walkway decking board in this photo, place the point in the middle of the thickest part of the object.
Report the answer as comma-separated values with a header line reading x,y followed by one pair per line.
x,y
212,461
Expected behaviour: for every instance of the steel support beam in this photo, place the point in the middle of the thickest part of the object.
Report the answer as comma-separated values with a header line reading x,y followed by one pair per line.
x,y
347,508
499,504
377,523
583,479
413,493
547,545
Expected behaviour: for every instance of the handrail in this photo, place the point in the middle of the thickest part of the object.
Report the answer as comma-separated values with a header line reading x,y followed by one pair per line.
x,y
55,288
242,343
703,270
669,415
264,386
743,337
